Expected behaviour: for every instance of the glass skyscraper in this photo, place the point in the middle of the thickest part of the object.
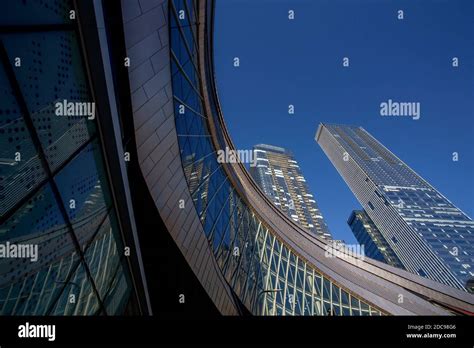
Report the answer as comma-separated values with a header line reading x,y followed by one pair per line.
x,y
430,236
279,176
368,235
134,201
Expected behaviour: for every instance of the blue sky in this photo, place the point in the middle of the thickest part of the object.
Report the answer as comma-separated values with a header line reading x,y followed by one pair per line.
x,y
299,62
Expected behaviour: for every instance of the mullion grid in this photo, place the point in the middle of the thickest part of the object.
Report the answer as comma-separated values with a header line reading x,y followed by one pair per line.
x,y
111,238
50,172
239,270
262,275
228,261
253,269
285,278
303,305
237,214
192,20
256,261
299,284
277,287
204,186
287,297
233,219
218,217
181,102
269,286
212,203
183,37
184,74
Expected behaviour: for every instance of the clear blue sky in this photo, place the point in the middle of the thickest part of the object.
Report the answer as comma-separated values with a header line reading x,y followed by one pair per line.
x,y
299,62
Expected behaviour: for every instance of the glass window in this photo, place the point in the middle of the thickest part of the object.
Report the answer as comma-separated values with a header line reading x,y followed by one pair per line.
x,y
54,74
77,297
35,293
35,12
326,289
335,294
20,167
344,298
119,291
82,187
103,254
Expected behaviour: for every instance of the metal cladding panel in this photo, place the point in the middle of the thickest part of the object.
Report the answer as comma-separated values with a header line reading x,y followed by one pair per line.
x,y
146,37
375,283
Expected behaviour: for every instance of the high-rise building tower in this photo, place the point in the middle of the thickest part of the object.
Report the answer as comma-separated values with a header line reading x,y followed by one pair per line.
x,y
279,175
429,234
369,236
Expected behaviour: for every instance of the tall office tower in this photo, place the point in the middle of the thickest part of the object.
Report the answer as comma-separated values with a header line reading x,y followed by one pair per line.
x,y
430,236
368,235
280,177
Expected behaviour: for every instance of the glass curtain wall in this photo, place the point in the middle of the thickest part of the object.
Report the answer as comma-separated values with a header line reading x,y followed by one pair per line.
x,y
54,189
268,277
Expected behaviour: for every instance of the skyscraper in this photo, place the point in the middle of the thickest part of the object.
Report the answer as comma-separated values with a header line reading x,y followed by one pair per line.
x,y
134,201
430,236
368,235
279,175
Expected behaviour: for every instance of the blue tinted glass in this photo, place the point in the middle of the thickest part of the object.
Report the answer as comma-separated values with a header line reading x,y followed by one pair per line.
x,y
77,297
53,73
119,291
20,168
35,12
103,254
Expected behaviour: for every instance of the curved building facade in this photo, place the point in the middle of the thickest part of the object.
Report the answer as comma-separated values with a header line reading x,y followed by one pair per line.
x,y
148,67
244,250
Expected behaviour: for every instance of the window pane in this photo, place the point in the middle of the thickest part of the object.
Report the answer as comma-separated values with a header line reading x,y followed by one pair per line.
x,y
52,73
103,254
78,297
27,286
20,167
35,12
83,189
